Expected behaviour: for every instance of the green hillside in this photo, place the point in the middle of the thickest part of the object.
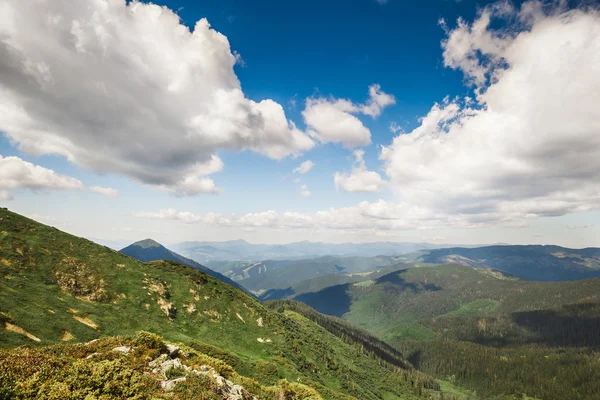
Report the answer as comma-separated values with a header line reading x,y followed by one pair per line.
x,y
478,327
58,288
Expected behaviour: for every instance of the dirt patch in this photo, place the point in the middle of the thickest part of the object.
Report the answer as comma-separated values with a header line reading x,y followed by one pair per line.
x,y
86,321
66,336
214,314
161,291
260,322
14,328
195,294
166,307
240,317
190,308
76,278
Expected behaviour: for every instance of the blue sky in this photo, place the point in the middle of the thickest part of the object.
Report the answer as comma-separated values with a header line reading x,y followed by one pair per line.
x,y
471,161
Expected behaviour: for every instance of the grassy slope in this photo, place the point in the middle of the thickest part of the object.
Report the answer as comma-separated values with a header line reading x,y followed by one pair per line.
x,y
56,286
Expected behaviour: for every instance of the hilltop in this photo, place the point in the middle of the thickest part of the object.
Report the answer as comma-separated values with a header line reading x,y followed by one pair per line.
x,y
58,288
149,250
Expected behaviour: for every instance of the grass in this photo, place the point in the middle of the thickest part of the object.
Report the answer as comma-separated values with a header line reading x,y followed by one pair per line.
x,y
476,307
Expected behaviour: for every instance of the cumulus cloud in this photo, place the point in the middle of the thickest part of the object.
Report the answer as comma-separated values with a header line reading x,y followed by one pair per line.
x,y
106,191
16,173
360,179
360,218
304,167
125,87
334,120
304,191
528,145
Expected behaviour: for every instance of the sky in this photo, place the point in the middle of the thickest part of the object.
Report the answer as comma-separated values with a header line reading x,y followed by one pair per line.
x,y
438,121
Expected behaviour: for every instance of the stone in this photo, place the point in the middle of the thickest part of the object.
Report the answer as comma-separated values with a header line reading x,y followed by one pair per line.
x,y
170,384
173,350
122,349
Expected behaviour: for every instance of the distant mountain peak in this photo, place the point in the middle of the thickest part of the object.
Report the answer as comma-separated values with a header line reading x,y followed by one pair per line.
x,y
147,243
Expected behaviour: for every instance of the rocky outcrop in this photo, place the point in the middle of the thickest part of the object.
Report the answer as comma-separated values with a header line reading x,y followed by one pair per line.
x,y
173,371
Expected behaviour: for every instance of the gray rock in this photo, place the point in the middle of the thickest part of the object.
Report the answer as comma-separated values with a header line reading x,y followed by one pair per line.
x,y
173,350
122,349
170,384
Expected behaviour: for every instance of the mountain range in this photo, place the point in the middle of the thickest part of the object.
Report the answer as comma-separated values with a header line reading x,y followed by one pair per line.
x,y
533,262
240,250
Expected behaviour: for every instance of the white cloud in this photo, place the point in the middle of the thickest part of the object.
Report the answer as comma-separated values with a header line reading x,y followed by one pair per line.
x,y
395,128
17,173
529,145
363,218
334,120
379,215
106,191
360,179
304,191
304,167
5,195
126,88
378,100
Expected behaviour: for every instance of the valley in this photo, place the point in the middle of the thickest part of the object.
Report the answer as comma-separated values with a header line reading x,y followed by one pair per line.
x,y
346,327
